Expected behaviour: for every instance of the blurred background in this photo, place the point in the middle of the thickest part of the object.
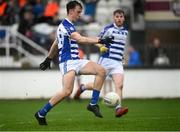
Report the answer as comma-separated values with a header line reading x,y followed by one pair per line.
x,y
27,30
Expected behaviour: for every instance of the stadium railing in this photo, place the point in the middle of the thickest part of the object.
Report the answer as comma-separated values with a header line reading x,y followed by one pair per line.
x,y
13,40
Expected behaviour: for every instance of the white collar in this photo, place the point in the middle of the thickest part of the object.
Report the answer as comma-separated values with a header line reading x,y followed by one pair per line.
x,y
117,26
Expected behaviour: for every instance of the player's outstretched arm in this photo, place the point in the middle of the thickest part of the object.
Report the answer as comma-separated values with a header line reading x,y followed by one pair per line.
x,y
90,40
47,62
84,40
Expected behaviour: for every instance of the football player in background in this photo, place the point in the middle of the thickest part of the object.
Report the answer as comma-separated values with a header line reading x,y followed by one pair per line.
x,y
112,59
70,64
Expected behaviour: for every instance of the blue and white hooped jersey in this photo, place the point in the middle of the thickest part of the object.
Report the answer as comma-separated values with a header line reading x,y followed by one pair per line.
x,y
117,47
68,48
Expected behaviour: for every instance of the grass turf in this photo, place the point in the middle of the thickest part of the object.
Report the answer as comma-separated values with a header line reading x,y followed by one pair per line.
x,y
144,114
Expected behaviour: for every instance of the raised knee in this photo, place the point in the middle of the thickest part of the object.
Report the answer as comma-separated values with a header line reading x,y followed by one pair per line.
x,y
102,71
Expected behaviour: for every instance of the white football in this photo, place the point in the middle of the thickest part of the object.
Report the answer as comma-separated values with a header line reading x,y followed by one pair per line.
x,y
112,99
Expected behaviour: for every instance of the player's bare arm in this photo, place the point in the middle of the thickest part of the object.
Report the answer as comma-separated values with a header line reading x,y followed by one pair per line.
x,y
84,40
90,40
53,50
47,62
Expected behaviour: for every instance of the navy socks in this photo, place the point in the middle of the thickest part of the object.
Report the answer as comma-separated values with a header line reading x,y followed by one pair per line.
x,y
45,109
95,97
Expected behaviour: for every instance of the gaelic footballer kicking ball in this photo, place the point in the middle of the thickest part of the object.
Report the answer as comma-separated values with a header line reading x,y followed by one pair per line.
x,y
111,99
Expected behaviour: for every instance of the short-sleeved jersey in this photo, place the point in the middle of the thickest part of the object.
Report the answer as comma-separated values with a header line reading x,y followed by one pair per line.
x,y
68,48
117,47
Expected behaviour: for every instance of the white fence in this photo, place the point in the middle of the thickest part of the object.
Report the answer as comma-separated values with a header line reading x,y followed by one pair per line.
x,y
138,84
13,40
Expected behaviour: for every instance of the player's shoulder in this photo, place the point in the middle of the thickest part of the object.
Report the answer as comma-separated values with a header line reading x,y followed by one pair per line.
x,y
109,26
125,28
67,23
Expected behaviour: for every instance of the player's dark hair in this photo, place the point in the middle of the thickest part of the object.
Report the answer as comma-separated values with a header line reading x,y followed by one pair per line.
x,y
119,11
72,5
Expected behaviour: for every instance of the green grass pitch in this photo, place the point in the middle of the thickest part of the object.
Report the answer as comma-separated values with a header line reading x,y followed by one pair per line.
x,y
143,115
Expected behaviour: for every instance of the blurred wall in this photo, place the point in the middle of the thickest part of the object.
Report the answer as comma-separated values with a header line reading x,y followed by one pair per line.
x,y
138,84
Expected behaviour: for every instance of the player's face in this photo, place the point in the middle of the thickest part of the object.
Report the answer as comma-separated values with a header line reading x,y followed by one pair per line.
x,y
119,19
77,13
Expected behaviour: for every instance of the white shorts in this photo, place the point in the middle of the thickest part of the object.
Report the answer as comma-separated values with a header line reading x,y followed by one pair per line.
x,y
75,65
111,66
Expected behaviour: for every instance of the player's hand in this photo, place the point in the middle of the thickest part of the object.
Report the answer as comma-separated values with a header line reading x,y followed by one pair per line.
x,y
103,49
106,40
45,64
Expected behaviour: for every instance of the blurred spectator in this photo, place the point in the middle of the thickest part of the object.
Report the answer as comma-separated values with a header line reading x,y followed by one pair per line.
x,y
7,12
26,6
3,6
157,54
90,10
161,60
7,16
51,10
55,20
25,25
134,57
49,19
22,3
38,10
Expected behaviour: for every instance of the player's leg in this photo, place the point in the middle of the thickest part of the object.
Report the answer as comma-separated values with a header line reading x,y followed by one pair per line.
x,y
89,86
82,88
107,86
118,79
68,83
118,82
91,68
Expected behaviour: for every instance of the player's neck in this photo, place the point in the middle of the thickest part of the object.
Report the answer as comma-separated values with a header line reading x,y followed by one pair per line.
x,y
70,19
